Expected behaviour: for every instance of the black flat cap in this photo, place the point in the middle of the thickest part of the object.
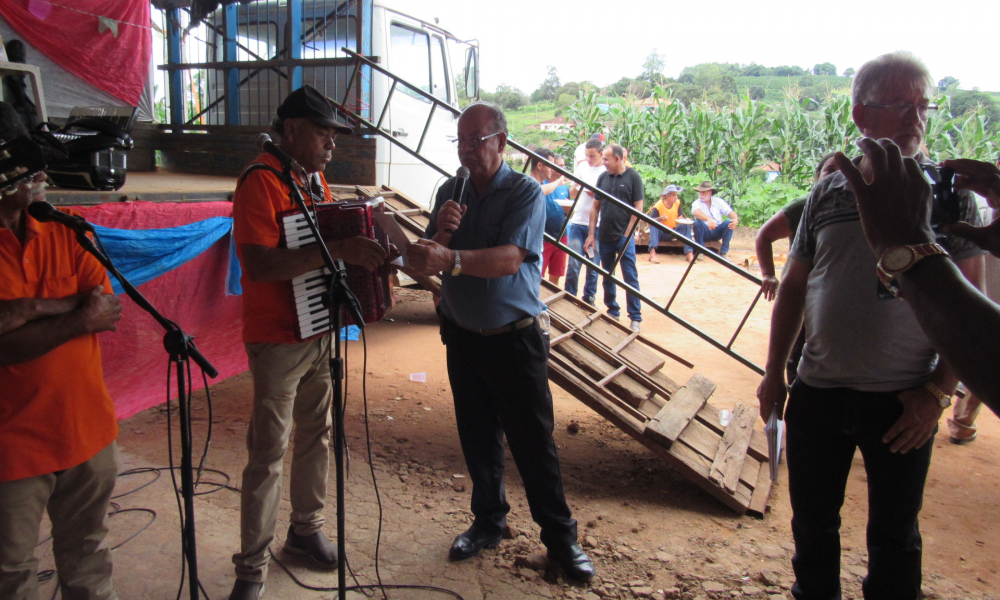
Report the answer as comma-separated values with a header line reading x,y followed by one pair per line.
x,y
307,103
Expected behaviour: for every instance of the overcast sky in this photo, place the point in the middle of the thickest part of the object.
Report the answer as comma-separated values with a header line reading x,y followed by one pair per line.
x,y
604,41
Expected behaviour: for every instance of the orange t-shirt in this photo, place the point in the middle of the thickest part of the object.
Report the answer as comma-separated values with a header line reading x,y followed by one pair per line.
x,y
668,216
268,307
55,411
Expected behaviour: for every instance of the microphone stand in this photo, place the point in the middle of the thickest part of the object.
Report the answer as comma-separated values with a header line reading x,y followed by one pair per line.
x,y
181,348
337,298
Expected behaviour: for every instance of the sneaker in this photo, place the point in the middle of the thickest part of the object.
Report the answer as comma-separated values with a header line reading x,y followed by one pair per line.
x,y
634,326
316,547
589,300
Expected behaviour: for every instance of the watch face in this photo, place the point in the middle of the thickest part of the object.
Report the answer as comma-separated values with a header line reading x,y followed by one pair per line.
x,y
897,259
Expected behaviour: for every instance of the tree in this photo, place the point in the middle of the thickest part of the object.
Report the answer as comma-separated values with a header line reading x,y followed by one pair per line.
x,y
947,82
849,72
966,101
507,97
787,71
652,67
825,69
756,92
755,70
549,90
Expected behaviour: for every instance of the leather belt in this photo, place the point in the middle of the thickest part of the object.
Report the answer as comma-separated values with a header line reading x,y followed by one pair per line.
x,y
516,325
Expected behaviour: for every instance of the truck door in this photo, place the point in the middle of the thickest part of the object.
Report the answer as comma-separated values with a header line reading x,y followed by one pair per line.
x,y
418,56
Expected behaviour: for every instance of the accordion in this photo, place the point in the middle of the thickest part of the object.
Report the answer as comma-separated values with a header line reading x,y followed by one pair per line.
x,y
337,221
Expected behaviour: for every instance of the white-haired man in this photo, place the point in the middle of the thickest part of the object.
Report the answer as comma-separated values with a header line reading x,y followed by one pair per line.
x,y
869,379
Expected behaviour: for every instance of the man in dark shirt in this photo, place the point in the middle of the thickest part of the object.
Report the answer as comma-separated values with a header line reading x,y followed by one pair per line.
x,y
624,183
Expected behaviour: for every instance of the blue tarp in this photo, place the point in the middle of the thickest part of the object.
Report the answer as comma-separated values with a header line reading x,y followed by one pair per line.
x,y
144,254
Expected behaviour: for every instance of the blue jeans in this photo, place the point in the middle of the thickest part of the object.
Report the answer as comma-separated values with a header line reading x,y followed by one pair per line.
x,y
629,274
681,228
722,232
824,427
577,235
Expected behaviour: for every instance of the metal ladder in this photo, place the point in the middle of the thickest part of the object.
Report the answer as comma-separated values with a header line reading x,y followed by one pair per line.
x,y
370,127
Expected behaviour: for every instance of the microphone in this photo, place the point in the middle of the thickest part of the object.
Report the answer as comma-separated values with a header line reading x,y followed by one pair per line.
x,y
264,144
44,212
463,175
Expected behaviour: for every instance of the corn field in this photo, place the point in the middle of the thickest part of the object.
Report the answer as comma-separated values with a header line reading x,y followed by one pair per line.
x,y
735,147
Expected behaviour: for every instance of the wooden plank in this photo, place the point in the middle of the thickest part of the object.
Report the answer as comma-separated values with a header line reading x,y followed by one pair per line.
x,y
652,405
619,415
701,465
627,388
758,443
568,310
611,376
761,492
728,462
668,424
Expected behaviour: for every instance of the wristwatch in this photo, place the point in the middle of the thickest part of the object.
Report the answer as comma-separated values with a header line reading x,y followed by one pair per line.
x,y
899,259
943,399
457,269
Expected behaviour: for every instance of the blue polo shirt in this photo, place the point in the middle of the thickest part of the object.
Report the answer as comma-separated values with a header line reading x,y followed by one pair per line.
x,y
511,210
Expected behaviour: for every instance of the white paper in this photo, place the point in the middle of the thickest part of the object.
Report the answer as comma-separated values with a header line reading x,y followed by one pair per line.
x,y
774,431
396,235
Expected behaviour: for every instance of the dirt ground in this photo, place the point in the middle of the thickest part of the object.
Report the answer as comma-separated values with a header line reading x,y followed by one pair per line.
x,y
651,532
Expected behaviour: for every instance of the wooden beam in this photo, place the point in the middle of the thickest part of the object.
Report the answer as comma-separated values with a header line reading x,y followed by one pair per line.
x,y
668,424
728,462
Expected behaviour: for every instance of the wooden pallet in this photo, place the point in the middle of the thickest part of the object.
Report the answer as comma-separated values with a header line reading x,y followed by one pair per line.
x,y
617,373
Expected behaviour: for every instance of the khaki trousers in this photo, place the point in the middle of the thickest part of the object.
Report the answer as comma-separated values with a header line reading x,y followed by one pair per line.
x,y
962,424
291,384
77,500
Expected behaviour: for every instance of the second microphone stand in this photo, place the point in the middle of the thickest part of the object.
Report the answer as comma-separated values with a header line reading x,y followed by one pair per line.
x,y
180,346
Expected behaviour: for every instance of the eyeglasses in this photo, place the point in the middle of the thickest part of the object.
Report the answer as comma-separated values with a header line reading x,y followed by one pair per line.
x,y
473,143
901,110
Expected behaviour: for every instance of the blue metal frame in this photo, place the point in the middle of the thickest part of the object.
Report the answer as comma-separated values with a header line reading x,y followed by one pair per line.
x,y
367,27
175,78
294,41
231,25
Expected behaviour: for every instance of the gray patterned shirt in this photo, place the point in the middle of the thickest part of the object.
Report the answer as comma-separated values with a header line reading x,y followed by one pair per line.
x,y
853,339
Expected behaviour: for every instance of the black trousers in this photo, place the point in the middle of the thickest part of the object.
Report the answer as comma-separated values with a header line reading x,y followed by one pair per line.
x,y
825,426
500,384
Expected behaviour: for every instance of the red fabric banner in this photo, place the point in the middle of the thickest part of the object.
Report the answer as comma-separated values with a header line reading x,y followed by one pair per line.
x,y
79,35
193,296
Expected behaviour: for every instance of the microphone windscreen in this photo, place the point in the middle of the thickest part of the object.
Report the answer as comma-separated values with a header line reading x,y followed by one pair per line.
x,y
261,140
41,210
463,172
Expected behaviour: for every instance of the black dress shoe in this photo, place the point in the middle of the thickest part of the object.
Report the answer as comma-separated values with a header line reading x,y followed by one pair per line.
x,y
468,544
315,547
574,562
247,590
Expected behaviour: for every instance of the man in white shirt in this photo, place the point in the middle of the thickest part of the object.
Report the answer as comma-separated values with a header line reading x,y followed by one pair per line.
x,y
714,219
579,224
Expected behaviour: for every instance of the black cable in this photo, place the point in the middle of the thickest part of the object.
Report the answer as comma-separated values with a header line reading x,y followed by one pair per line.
x,y
361,588
371,463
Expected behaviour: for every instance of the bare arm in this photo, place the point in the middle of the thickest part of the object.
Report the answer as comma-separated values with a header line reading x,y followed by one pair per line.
x,y
962,324
264,264
595,211
776,228
97,312
786,322
733,219
548,188
17,312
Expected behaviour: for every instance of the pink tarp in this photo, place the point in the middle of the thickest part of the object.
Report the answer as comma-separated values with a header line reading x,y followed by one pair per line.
x,y
79,36
193,296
